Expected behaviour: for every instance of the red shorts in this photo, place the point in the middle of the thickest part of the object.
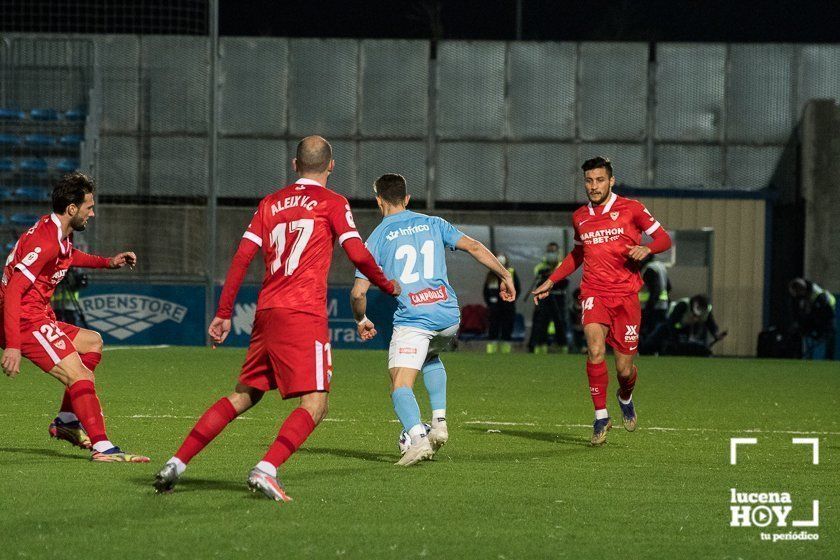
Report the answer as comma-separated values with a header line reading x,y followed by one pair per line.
x,y
45,342
622,315
289,351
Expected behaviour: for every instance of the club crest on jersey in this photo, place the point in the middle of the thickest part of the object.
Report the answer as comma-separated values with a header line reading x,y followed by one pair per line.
x,y
60,344
614,215
31,257
428,296
124,315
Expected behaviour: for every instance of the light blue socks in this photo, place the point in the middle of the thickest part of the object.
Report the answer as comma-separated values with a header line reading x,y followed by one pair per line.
x,y
405,405
434,377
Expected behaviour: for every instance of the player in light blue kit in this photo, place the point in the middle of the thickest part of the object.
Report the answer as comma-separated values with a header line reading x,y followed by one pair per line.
x,y
411,248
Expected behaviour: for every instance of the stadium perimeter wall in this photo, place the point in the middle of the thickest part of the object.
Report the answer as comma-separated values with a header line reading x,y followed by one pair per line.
x,y
820,190
737,255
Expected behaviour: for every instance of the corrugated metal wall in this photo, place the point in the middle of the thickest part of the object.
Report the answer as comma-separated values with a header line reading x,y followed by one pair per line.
x,y
737,261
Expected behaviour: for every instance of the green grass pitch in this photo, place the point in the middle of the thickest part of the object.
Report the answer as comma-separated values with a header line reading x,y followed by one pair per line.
x,y
517,479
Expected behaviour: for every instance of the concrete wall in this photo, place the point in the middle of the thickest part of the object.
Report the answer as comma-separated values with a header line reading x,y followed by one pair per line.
x,y
737,261
820,189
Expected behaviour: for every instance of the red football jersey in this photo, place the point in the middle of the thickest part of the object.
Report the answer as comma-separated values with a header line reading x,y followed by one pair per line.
x,y
296,228
605,231
43,257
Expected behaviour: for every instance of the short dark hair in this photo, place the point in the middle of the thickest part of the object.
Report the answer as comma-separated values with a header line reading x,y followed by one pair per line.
x,y
597,162
700,301
71,189
313,155
391,188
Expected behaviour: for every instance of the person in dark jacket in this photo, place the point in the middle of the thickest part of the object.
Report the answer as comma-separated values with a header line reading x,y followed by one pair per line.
x,y
501,314
814,316
691,325
550,316
655,295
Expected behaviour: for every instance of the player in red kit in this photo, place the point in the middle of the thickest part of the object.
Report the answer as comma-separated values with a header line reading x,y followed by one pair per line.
x,y
296,229
29,327
608,237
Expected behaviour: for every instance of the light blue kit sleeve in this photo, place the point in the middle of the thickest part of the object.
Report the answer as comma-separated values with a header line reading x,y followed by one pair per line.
x,y
449,233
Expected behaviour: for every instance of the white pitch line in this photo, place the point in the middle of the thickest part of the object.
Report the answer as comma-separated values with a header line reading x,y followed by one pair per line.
x,y
515,424
153,347
494,423
658,428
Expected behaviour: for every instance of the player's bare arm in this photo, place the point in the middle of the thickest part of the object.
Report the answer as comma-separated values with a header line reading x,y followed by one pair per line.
x,y
11,361
220,325
482,254
638,252
127,258
542,291
358,302
219,330
11,318
570,263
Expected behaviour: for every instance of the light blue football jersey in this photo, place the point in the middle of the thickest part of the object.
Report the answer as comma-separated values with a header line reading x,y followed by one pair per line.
x,y
411,248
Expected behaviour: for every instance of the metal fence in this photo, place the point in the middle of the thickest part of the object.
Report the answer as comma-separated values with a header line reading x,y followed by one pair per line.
x,y
490,121
482,122
184,130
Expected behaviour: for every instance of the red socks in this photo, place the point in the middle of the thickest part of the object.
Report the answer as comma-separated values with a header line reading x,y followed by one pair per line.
x,y
626,387
206,429
86,405
66,403
598,380
90,360
293,433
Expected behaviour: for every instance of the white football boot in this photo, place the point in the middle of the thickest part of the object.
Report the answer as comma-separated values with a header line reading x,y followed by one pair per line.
x,y
439,434
419,451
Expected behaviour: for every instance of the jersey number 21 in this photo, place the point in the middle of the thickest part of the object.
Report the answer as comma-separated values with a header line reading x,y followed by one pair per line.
x,y
409,253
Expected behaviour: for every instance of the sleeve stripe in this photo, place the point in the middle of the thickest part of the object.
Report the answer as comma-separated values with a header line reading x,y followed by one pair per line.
x,y
349,235
250,236
22,268
578,242
652,228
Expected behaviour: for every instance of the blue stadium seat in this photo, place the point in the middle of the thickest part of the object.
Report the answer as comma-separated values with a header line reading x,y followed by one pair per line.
x,y
39,140
68,165
77,114
9,140
10,246
2,220
43,115
71,139
24,219
35,165
33,194
11,114
5,194
6,164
